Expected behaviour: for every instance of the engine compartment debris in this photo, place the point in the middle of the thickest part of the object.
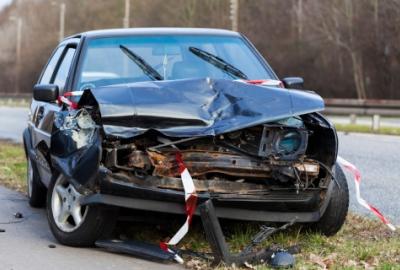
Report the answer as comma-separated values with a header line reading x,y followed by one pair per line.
x,y
251,254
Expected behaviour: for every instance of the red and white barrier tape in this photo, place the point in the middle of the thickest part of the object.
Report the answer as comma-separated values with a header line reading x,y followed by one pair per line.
x,y
65,99
190,202
357,180
274,83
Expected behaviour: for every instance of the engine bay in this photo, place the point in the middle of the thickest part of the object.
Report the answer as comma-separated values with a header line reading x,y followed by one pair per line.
x,y
268,156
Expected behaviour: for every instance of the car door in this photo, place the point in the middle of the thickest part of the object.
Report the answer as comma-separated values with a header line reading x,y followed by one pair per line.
x,y
42,113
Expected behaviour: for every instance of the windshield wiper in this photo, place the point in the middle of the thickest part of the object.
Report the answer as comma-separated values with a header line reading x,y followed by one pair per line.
x,y
143,65
219,63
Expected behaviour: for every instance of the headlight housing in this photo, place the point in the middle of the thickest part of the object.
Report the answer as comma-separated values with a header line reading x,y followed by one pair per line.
x,y
288,143
283,143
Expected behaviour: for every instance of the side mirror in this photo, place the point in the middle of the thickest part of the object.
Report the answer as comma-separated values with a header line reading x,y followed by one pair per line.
x,y
45,92
293,82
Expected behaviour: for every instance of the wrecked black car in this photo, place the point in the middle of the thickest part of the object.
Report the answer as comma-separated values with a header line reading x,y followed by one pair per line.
x,y
118,115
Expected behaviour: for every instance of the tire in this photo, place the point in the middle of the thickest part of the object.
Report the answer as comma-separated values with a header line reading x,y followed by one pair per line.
x,y
36,191
336,212
96,221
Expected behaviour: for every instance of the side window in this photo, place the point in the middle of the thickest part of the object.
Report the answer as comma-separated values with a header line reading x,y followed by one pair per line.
x,y
63,70
51,66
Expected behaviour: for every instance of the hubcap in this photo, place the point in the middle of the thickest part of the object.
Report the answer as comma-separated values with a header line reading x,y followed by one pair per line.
x,y
67,211
29,177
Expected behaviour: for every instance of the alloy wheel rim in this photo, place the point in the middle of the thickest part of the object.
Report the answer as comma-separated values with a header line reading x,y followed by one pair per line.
x,y
67,211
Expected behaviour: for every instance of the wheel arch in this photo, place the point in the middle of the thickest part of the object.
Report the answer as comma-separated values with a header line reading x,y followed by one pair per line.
x,y
26,139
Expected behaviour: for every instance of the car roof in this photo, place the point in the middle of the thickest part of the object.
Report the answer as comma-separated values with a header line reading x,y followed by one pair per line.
x,y
155,31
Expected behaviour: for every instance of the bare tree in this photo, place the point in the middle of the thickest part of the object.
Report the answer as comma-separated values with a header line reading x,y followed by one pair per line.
x,y
343,48
335,22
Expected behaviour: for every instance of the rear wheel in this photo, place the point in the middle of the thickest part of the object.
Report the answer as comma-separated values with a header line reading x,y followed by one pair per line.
x,y
336,212
35,189
74,224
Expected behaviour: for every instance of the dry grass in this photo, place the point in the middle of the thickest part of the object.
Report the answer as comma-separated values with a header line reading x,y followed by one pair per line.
x,y
12,166
363,243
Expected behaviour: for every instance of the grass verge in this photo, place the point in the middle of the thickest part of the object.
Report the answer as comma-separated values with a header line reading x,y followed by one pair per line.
x,y
12,166
361,244
367,129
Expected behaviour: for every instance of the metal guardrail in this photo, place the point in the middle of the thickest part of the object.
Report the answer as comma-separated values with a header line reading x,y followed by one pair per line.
x,y
369,107
382,107
16,96
11,99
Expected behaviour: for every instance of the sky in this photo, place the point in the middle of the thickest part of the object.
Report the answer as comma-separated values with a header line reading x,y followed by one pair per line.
x,y
3,3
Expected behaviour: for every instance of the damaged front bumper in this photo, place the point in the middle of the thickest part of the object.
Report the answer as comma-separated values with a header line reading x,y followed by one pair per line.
x,y
272,206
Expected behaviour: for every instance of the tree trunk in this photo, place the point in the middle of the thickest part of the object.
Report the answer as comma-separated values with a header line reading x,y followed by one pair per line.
x,y
358,75
299,18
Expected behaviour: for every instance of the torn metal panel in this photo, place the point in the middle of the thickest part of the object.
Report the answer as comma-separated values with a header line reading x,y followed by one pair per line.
x,y
211,186
195,107
76,146
201,162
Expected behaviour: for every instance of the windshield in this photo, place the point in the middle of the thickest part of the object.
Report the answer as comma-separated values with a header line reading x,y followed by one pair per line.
x,y
117,60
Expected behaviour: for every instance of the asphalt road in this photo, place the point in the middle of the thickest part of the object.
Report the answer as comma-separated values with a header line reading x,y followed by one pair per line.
x,y
25,244
377,157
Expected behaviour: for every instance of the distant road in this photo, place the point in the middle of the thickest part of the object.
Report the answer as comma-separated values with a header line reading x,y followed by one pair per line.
x,y
13,121
377,156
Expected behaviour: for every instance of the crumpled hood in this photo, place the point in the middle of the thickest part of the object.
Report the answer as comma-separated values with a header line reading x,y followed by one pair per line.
x,y
196,107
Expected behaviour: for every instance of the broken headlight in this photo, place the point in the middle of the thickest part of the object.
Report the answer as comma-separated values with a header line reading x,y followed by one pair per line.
x,y
288,143
285,143
283,140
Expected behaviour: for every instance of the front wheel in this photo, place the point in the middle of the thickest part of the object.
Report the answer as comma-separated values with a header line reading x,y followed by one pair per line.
x,y
336,212
74,224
